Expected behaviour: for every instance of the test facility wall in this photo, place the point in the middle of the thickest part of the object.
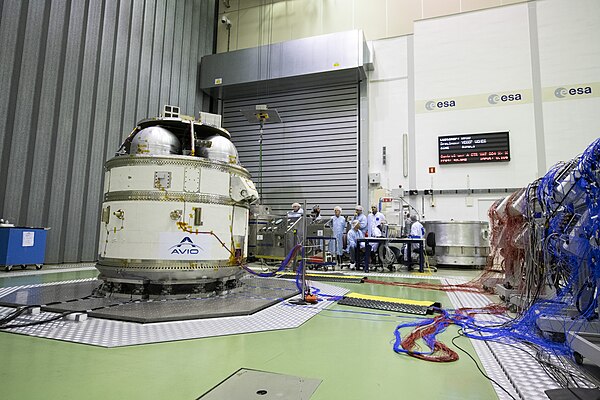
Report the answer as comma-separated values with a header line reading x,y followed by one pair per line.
x,y
259,22
75,77
312,155
389,111
569,59
530,49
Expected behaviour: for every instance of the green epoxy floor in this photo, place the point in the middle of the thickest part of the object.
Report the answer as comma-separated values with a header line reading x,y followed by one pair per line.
x,y
352,353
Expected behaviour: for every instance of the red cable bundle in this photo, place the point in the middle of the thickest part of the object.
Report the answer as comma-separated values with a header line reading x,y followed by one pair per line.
x,y
441,352
463,287
507,227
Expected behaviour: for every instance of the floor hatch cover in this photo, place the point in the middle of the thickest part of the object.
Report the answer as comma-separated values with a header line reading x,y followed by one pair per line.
x,y
248,384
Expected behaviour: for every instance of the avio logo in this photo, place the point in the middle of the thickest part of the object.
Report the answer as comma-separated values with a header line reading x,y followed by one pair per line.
x,y
562,92
186,246
504,98
432,105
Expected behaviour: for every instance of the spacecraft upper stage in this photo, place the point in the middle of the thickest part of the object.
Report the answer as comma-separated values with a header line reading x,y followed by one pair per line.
x,y
175,210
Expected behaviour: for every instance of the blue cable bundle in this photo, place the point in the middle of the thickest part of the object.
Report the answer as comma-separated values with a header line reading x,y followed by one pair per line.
x,y
299,275
283,265
564,253
562,257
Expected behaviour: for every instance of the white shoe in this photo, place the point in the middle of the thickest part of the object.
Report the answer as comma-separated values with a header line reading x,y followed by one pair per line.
x,y
352,266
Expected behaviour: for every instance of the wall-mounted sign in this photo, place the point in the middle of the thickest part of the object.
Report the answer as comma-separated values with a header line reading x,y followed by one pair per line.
x,y
571,92
474,148
440,104
432,170
512,97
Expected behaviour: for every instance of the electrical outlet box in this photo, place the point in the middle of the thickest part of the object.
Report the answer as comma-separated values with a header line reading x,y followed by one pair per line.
x,y
375,177
398,193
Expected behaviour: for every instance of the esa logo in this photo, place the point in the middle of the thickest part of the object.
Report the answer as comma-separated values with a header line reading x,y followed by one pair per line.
x,y
562,92
432,105
186,246
504,98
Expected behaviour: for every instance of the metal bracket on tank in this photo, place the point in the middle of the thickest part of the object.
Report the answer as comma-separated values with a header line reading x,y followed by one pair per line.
x,y
106,215
120,214
176,215
162,180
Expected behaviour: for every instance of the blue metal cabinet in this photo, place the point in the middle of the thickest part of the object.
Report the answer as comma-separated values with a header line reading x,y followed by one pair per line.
x,y
22,246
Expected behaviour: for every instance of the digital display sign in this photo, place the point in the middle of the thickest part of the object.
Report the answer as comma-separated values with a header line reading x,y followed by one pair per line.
x,y
474,148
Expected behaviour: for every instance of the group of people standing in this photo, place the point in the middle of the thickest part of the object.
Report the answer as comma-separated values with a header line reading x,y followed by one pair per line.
x,y
361,225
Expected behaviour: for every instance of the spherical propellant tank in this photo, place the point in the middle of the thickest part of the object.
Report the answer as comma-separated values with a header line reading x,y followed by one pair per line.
x,y
155,141
221,149
175,213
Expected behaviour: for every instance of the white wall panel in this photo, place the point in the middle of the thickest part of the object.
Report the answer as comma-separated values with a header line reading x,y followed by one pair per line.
x,y
570,128
390,59
388,110
467,58
568,39
388,123
569,51
472,53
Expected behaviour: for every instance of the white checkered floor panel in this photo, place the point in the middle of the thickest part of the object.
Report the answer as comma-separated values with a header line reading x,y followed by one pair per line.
x,y
109,333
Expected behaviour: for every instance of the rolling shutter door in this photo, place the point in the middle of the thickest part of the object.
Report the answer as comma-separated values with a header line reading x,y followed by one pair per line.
x,y
312,154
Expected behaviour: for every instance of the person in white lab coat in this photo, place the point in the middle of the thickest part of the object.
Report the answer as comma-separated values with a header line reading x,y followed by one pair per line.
x,y
375,219
338,226
417,231
297,211
361,218
353,235
376,233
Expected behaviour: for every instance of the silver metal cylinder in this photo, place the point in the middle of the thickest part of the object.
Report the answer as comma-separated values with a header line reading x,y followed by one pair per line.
x,y
461,243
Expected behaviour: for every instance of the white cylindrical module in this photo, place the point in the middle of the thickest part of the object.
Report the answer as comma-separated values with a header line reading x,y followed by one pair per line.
x,y
170,218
